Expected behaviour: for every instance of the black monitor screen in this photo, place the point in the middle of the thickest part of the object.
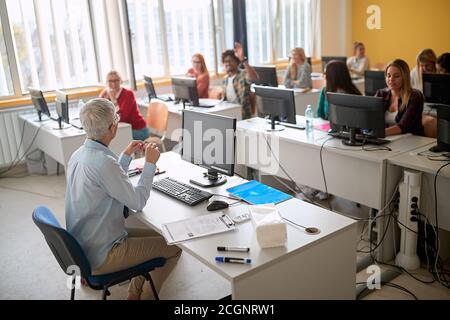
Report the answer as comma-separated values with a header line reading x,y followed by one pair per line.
x,y
373,81
39,101
267,76
149,87
353,112
443,128
62,105
209,141
185,89
327,59
276,102
436,88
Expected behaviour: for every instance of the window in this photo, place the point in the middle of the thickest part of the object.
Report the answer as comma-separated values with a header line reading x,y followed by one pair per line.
x,y
294,17
53,43
259,31
6,86
223,13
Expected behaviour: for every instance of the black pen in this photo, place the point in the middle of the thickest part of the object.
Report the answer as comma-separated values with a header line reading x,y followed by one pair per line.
x,y
234,260
235,249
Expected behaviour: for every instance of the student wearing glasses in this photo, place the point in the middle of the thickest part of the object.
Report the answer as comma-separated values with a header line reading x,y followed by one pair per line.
x,y
199,71
298,73
125,101
99,196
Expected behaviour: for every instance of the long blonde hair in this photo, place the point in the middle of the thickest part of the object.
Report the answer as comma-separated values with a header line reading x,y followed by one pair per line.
x,y
406,89
204,69
425,56
293,66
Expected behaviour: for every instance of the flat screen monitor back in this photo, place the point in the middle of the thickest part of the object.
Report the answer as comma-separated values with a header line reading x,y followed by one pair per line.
x,y
373,81
267,76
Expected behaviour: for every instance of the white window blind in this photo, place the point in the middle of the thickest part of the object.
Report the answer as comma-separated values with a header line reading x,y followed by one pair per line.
x,y
259,31
53,43
6,85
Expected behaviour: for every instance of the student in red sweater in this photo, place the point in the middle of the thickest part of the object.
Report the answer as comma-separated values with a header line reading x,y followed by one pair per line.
x,y
200,72
125,100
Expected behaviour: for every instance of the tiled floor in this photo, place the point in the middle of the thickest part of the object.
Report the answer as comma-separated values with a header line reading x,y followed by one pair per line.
x,y
29,270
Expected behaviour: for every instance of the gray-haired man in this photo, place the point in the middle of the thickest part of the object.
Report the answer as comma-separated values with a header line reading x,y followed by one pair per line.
x,y
98,189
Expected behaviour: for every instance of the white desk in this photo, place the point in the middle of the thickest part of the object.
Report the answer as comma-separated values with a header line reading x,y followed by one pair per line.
x,y
413,161
174,121
61,144
350,172
308,267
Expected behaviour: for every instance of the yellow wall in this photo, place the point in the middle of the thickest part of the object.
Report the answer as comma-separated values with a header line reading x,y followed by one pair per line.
x,y
407,27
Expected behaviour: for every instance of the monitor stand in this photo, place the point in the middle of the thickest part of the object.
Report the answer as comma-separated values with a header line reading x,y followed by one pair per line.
x,y
273,126
40,118
210,179
61,125
352,139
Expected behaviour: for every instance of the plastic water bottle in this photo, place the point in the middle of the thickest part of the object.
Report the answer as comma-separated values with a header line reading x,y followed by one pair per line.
x,y
80,105
309,115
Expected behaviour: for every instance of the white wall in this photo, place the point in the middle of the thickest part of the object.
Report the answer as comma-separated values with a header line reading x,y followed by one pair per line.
x,y
336,24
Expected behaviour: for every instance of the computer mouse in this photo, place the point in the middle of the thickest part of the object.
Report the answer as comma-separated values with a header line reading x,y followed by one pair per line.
x,y
217,205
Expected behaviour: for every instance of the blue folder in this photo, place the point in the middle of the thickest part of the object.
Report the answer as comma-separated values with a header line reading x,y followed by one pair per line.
x,y
255,193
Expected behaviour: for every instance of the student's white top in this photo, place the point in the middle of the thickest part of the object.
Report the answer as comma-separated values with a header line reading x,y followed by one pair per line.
x,y
358,65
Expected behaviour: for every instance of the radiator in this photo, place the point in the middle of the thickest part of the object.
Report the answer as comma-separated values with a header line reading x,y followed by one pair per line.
x,y
10,134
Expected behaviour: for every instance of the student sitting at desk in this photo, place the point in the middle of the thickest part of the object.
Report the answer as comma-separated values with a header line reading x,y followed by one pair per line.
x,y
426,63
298,73
199,71
236,83
338,80
125,100
404,105
358,63
443,63
99,194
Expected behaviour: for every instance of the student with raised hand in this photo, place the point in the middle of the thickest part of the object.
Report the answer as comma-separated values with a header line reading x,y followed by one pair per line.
x,y
99,196
403,104
338,80
298,73
237,81
200,72
443,63
125,101
426,63
358,63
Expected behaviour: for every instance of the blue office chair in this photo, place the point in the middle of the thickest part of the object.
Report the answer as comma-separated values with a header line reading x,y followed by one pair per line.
x,y
69,253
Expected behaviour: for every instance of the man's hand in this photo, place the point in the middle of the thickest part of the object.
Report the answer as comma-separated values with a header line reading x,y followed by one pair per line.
x,y
239,51
133,147
152,153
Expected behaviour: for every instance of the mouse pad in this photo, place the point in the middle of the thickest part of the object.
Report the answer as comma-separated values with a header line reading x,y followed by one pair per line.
x,y
255,193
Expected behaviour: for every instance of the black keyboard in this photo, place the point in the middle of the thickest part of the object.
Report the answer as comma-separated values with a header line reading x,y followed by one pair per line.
x,y
360,138
181,191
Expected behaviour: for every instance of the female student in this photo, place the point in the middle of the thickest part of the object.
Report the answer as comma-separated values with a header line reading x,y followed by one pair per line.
x,y
125,100
426,63
358,63
403,104
298,73
443,63
200,72
338,80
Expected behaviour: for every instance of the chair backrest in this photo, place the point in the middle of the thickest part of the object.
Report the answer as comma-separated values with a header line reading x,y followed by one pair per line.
x,y
64,246
157,115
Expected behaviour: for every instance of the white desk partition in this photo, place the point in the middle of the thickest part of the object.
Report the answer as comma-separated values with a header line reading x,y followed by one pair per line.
x,y
61,144
174,121
416,162
350,172
309,266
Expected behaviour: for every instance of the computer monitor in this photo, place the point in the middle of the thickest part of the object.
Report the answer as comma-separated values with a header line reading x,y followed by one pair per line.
x,y
436,88
150,88
277,103
327,59
373,81
443,129
185,90
267,76
209,141
355,113
62,108
39,103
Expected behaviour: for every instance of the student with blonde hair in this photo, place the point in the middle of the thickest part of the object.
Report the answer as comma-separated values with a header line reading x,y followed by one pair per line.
x,y
298,73
426,63
358,63
200,72
403,104
125,101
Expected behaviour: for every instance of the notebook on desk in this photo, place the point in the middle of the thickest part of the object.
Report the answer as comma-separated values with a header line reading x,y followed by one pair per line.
x,y
255,193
